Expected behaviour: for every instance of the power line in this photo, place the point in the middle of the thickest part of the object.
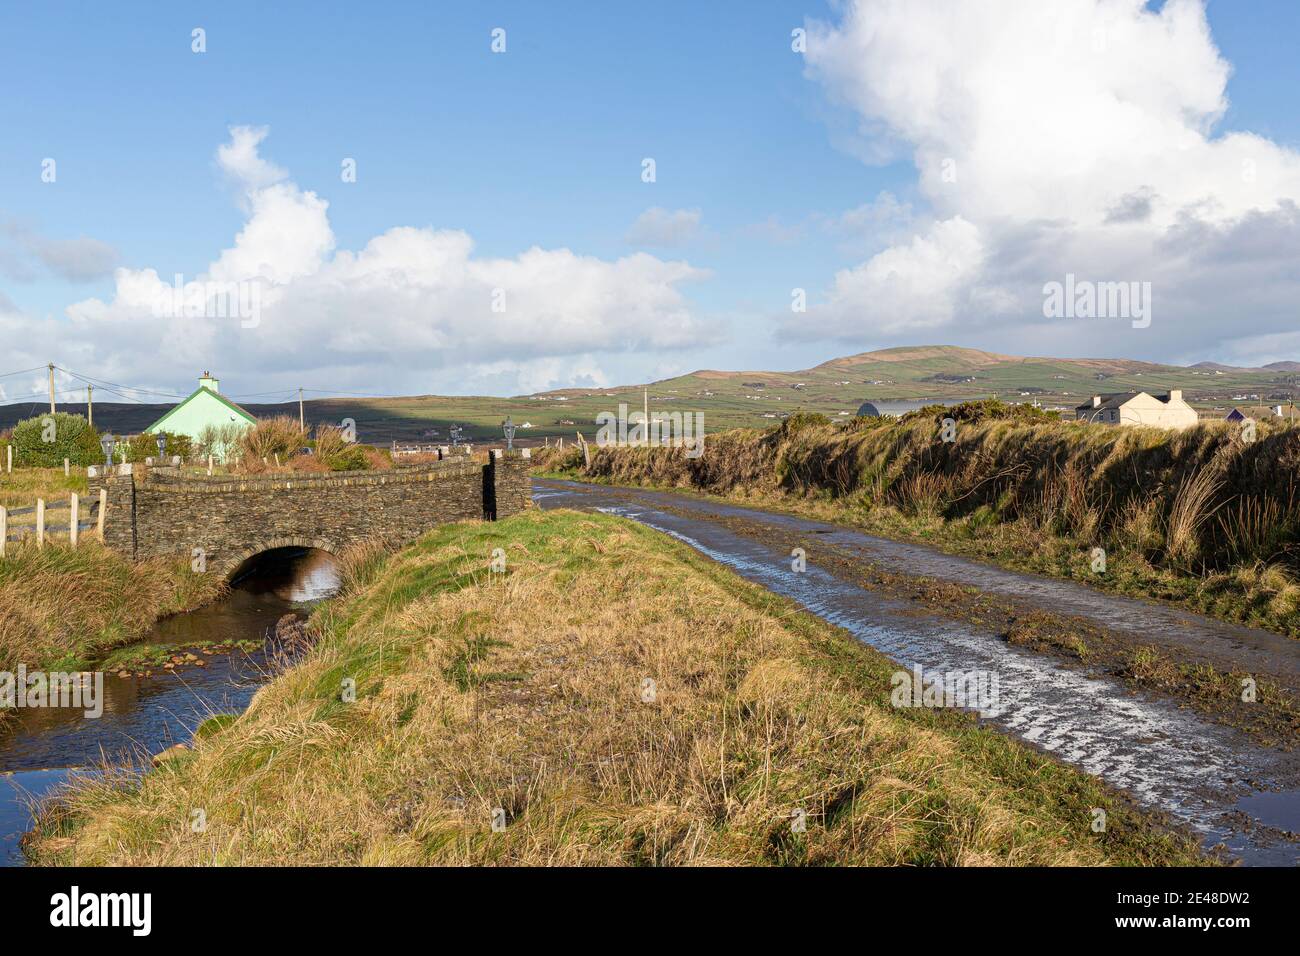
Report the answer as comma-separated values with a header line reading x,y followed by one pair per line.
x,y
103,383
23,372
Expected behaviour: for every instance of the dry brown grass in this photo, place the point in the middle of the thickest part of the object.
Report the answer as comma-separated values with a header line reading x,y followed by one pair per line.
x,y
65,606
1192,507
525,691
270,437
1183,516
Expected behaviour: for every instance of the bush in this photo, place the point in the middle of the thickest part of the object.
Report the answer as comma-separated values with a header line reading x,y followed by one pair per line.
x,y
982,410
273,436
145,446
801,421
351,458
38,445
220,441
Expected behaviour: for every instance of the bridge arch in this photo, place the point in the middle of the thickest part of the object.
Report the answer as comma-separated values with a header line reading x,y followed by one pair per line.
x,y
230,568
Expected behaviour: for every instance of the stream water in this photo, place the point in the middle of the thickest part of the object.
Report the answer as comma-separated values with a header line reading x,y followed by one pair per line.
x,y
142,716
1220,782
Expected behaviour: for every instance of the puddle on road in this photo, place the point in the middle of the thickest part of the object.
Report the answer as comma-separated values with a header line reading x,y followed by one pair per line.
x,y
1168,758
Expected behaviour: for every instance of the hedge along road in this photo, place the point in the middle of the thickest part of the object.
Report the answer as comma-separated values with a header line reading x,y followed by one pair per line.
x,y
1237,787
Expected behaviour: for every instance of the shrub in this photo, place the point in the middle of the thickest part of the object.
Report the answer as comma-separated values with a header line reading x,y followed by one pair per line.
x,y
273,436
44,441
351,458
329,443
220,441
145,445
800,421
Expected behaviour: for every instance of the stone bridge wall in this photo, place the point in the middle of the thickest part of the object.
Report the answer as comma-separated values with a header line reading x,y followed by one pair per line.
x,y
159,512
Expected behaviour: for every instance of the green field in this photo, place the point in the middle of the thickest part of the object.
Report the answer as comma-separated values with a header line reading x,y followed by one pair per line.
x,y
755,399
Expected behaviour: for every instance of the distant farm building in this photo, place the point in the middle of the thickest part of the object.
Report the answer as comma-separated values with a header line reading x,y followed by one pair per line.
x,y
1139,408
1288,413
206,410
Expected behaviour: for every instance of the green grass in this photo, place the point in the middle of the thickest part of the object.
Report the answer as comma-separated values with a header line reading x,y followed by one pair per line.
x,y
759,709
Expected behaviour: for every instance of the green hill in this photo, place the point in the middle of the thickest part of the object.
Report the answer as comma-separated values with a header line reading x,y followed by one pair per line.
x,y
891,378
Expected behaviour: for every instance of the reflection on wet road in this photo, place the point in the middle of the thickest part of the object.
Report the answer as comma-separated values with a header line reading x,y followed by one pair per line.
x,y
1214,778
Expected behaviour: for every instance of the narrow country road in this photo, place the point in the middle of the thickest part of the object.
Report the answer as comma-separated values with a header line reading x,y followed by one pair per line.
x,y
1235,790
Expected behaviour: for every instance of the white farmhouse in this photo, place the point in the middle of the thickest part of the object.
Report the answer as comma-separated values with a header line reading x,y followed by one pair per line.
x,y
1139,408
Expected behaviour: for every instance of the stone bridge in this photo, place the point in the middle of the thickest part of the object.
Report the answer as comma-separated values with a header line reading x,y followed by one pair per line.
x,y
160,512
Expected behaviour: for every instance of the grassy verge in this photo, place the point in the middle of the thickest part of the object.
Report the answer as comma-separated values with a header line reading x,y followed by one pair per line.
x,y
1197,518
612,698
21,488
62,608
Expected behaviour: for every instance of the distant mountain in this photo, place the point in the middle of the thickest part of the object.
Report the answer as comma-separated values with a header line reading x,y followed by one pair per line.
x,y
894,378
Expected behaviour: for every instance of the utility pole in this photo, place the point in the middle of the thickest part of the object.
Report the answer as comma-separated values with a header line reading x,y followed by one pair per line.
x,y
646,410
90,404
51,388
302,421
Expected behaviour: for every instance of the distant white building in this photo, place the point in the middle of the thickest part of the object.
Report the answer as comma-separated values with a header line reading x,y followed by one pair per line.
x,y
1139,408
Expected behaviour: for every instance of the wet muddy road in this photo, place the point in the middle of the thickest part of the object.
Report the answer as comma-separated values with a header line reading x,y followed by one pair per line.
x,y
1235,791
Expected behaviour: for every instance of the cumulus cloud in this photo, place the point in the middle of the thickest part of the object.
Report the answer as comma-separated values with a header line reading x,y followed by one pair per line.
x,y
397,314
1076,136
663,227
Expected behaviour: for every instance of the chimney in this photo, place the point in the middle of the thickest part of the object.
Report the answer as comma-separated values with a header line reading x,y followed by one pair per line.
x,y
1096,401
207,381
1175,395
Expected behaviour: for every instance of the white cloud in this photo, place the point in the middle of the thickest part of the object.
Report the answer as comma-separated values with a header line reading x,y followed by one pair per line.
x,y
1074,136
241,160
662,227
396,315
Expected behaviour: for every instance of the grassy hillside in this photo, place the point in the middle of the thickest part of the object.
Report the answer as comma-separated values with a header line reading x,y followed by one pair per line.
x,y
755,399
525,696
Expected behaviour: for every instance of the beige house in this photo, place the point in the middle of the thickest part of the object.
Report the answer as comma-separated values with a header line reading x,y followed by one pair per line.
x,y
1139,408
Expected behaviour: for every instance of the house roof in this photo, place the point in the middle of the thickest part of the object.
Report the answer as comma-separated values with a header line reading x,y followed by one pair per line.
x,y
185,401
1118,400
1261,412
1113,400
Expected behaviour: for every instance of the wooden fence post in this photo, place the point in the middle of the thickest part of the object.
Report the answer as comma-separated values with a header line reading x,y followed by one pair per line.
x,y
209,466
40,522
103,506
4,529
67,468
76,519
9,458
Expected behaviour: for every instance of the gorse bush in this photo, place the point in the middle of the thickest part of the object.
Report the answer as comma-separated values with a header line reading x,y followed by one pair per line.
x,y
46,440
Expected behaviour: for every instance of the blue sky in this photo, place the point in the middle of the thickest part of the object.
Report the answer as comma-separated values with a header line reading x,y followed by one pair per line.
x,y
765,154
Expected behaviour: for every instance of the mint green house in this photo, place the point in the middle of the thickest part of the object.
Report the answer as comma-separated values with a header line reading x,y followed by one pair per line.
x,y
207,409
